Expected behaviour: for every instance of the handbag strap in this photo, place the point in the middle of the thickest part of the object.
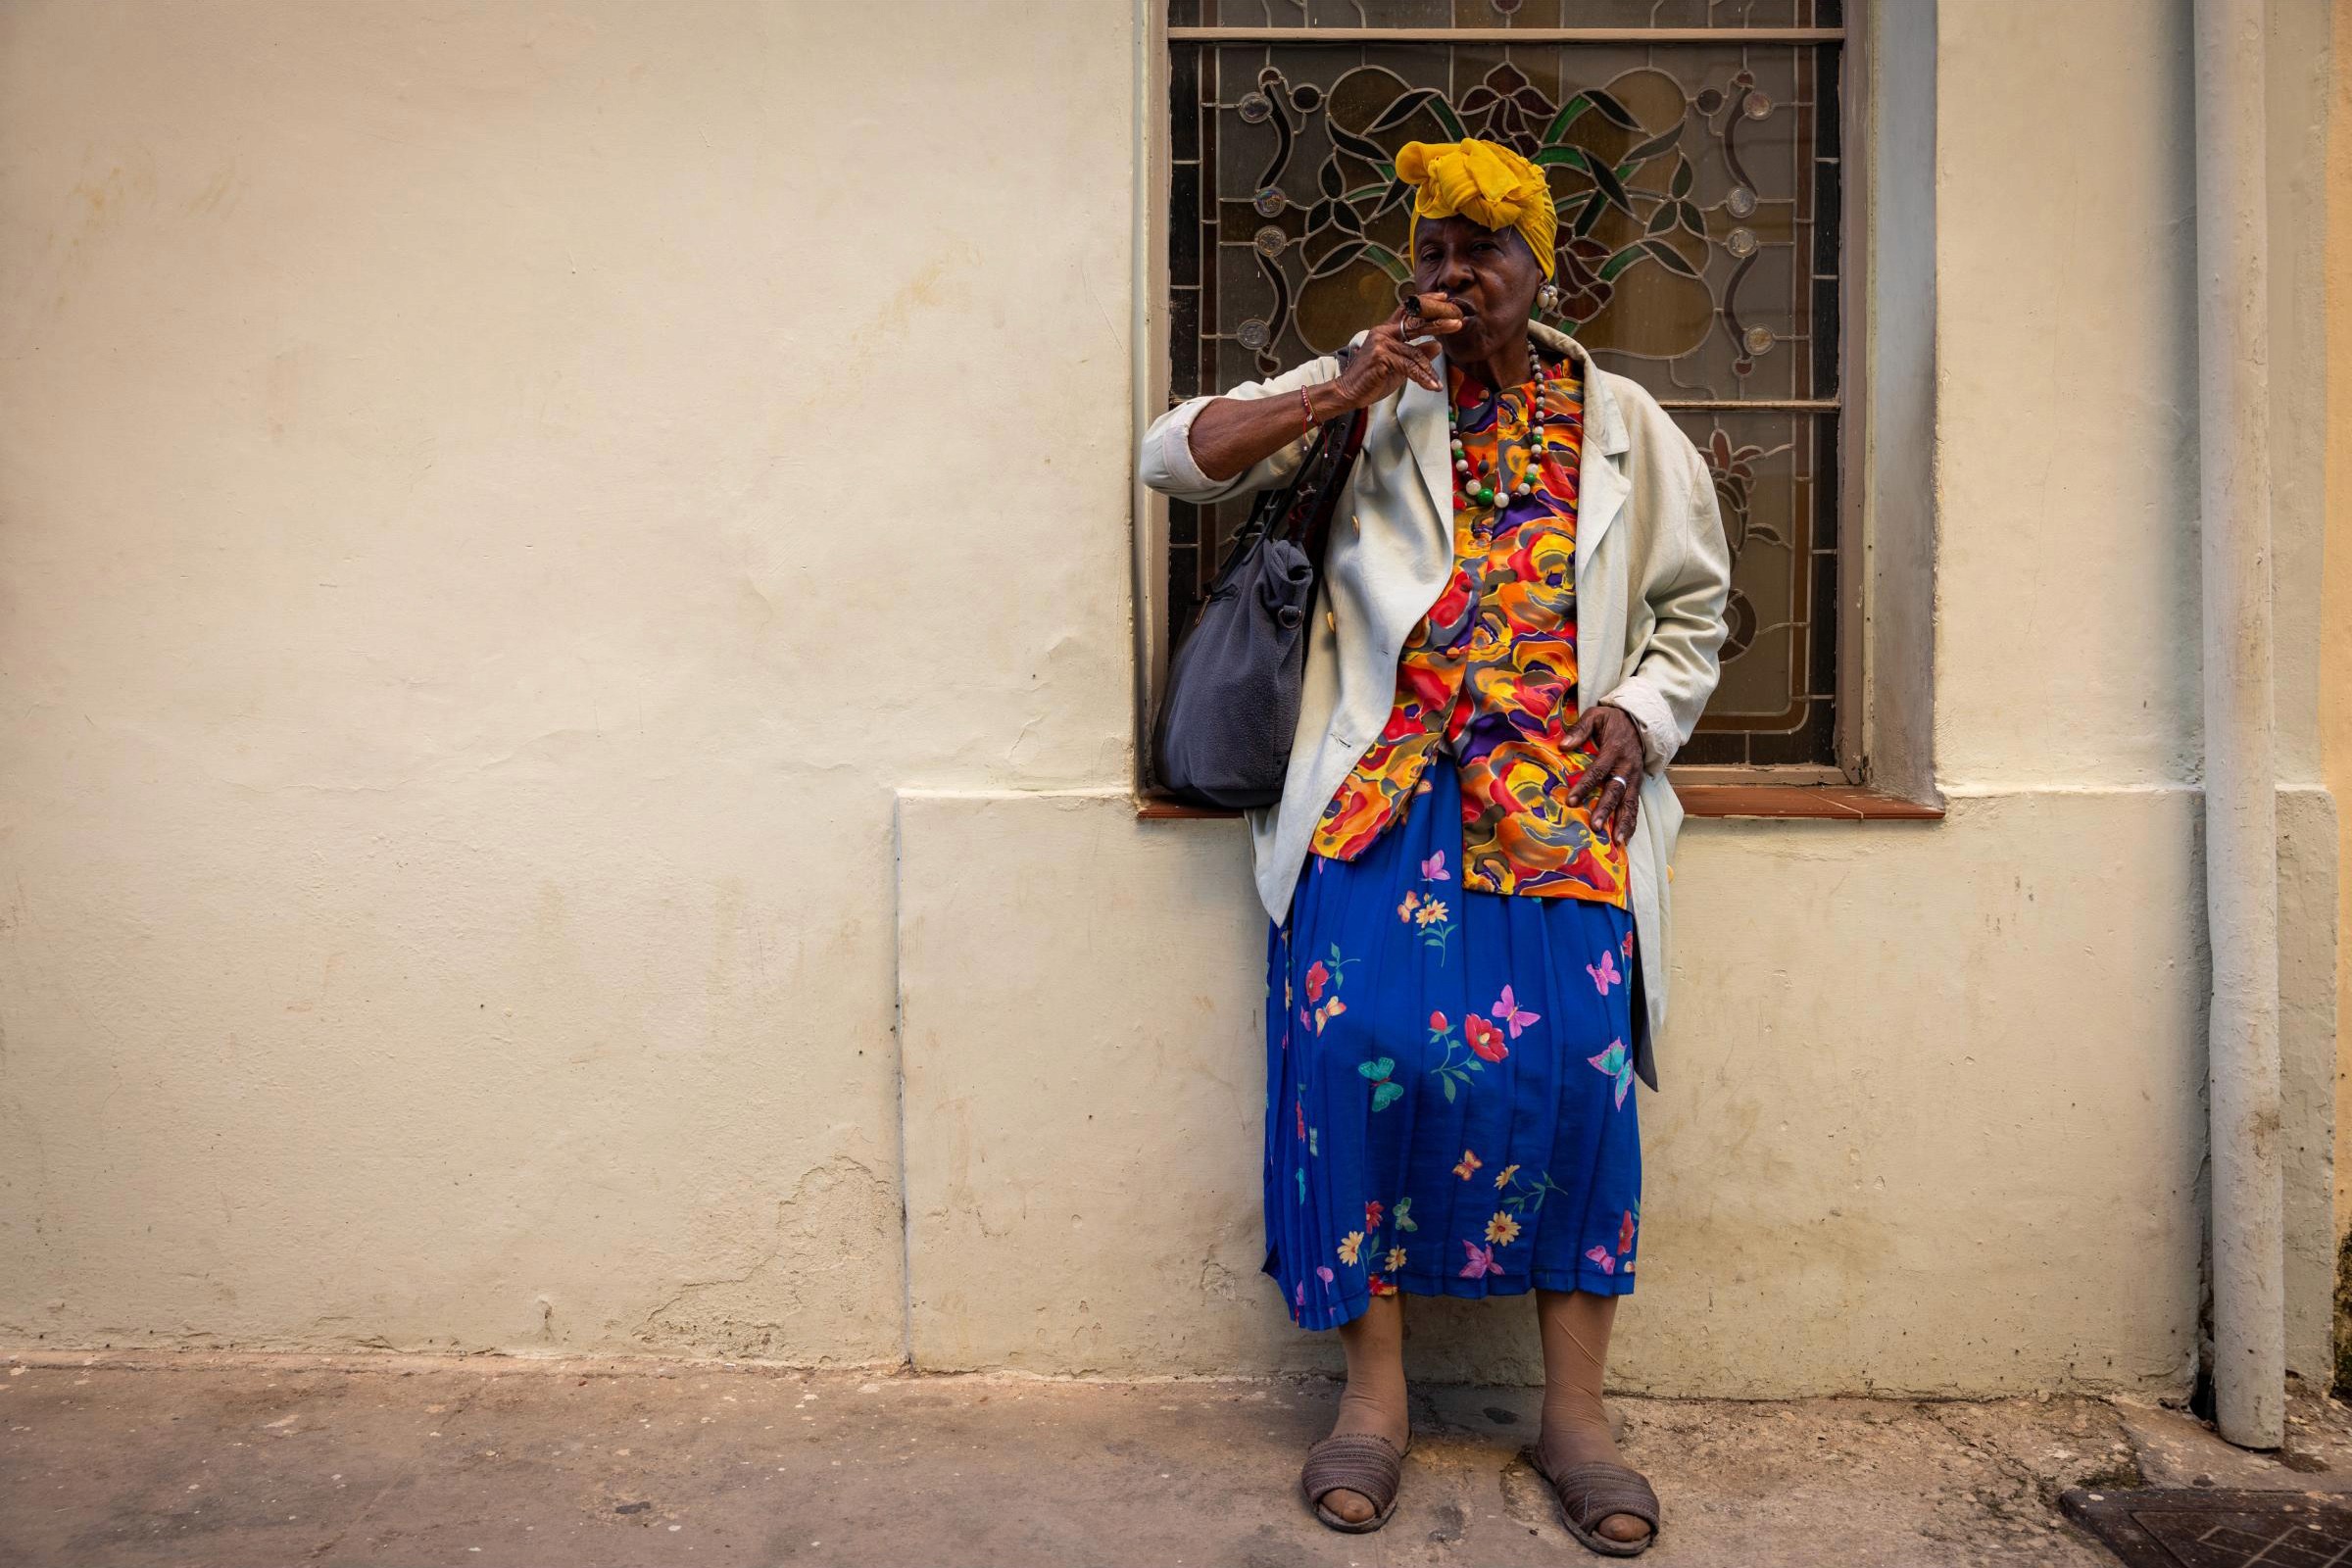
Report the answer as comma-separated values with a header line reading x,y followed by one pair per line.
x,y
1300,510
1343,439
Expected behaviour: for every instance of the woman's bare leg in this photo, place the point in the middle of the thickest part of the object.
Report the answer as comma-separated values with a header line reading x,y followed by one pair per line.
x,y
1374,1400
1575,1326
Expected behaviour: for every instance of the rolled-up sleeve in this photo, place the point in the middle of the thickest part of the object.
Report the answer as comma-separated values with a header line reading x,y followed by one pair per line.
x,y
1166,461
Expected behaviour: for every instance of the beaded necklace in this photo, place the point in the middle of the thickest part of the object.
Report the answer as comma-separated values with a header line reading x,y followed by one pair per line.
x,y
1477,483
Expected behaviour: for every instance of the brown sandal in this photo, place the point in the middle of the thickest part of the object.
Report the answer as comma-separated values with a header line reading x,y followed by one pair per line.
x,y
1589,1493
1354,1461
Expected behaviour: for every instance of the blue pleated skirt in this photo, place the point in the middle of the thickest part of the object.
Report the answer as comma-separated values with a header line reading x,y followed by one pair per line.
x,y
1450,1105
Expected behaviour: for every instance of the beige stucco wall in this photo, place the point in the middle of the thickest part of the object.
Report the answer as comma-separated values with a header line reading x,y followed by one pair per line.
x,y
568,570
2334,695
1910,1170
497,497
2303,67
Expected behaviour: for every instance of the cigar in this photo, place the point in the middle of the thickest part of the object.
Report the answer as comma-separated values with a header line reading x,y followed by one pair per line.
x,y
1412,310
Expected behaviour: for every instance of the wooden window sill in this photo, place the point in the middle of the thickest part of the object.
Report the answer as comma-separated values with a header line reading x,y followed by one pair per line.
x,y
1817,803
1161,809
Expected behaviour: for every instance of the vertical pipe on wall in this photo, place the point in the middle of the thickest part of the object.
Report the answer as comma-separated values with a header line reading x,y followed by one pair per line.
x,y
2241,838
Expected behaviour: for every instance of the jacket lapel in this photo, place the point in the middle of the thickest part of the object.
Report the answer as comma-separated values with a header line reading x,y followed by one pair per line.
x,y
1602,485
1421,414
1601,488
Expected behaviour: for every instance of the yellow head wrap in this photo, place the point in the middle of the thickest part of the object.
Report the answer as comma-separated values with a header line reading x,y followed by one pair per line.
x,y
1490,185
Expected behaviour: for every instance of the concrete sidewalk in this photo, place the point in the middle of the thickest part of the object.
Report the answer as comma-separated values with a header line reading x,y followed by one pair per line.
x,y
256,1460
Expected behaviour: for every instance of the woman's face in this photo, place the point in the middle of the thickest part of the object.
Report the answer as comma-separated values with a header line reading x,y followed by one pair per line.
x,y
1490,274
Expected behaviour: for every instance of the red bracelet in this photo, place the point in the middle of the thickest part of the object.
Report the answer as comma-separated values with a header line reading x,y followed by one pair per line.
x,y
1307,406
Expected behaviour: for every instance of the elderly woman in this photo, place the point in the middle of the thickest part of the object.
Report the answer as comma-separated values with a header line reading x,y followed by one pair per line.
x,y
1467,871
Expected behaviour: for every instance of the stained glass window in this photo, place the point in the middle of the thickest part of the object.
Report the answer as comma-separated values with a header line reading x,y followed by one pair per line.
x,y
1692,147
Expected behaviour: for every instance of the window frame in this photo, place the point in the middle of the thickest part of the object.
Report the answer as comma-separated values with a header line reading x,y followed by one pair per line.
x,y
1852,788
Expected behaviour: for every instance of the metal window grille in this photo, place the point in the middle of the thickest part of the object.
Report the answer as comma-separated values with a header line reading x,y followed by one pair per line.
x,y
1694,148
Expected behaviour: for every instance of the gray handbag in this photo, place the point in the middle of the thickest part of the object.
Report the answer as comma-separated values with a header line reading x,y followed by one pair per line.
x,y
1223,738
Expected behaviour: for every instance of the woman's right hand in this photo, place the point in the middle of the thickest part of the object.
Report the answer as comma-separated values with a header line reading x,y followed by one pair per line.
x,y
1388,356
1231,434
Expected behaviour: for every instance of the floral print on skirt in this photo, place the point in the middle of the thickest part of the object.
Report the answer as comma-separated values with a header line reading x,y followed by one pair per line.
x,y
1449,1076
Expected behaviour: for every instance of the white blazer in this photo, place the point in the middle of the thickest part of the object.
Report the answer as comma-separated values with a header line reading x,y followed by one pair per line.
x,y
1651,575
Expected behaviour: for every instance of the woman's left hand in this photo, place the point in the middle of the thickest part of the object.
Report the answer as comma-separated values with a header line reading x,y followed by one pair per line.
x,y
1613,782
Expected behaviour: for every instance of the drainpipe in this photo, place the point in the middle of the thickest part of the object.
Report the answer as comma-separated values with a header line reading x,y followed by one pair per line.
x,y
2241,832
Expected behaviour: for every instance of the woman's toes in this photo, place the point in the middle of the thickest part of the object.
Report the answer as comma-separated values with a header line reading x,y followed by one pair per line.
x,y
1624,1527
1353,1506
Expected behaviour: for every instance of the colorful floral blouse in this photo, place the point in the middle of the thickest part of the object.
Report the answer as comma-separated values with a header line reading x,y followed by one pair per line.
x,y
1489,676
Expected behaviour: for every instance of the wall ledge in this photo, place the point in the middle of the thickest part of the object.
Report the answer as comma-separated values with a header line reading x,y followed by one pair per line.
x,y
1824,803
